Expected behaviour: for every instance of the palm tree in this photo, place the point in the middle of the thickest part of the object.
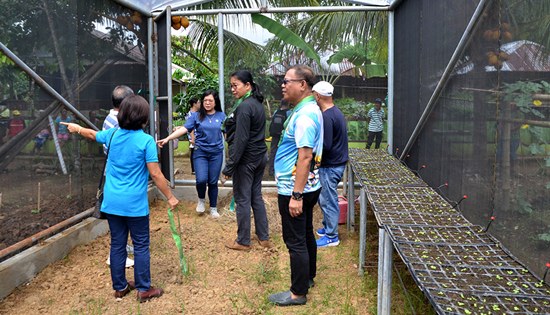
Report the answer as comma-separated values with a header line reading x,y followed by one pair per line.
x,y
325,31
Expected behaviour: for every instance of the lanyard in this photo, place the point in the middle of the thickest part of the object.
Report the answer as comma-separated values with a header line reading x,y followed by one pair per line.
x,y
238,102
301,104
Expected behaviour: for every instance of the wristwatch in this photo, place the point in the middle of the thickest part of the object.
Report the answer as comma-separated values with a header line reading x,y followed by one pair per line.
x,y
297,195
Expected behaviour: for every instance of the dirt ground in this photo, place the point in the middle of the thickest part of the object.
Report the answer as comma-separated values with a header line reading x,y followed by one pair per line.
x,y
221,281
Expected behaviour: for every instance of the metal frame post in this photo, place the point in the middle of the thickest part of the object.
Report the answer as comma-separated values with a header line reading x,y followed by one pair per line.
x,y
221,65
152,75
386,275
351,200
381,239
362,230
391,76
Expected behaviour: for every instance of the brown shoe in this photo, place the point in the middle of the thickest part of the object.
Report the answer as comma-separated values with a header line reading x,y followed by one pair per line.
x,y
236,246
149,294
120,294
266,244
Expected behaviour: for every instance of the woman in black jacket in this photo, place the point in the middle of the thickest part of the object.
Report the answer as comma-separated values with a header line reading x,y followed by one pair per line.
x,y
245,135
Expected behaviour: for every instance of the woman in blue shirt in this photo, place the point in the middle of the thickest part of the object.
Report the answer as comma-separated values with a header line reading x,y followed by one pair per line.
x,y
132,158
208,154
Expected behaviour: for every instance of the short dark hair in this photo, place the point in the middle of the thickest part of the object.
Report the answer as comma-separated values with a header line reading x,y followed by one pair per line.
x,y
246,77
306,73
217,107
133,113
192,101
120,93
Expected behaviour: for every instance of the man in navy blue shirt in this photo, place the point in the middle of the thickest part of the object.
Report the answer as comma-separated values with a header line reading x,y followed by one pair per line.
x,y
333,163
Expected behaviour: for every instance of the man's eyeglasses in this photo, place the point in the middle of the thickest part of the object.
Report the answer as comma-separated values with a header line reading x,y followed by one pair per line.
x,y
286,81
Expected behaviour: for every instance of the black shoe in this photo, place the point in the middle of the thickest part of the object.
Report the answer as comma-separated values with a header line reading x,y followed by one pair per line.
x,y
285,299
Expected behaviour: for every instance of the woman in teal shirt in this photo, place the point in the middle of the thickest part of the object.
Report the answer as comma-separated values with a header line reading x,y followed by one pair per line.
x,y
132,158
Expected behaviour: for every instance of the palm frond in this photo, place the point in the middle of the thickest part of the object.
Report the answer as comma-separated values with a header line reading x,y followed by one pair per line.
x,y
205,40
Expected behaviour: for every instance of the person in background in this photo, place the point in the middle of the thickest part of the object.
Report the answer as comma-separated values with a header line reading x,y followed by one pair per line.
x,y
208,155
275,130
297,174
245,135
4,120
375,118
62,132
132,159
335,157
16,124
92,115
120,92
194,106
40,140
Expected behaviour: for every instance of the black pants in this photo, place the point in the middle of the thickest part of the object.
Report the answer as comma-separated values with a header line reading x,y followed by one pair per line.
x,y
300,241
372,136
272,152
247,190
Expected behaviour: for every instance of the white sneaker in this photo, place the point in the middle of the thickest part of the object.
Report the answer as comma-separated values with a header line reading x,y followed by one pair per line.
x,y
214,212
200,206
129,262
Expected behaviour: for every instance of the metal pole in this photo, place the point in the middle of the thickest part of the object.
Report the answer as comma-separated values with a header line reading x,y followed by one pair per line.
x,y
345,182
381,239
394,4
169,89
351,201
391,76
220,61
57,147
150,73
386,282
362,230
281,10
45,85
466,36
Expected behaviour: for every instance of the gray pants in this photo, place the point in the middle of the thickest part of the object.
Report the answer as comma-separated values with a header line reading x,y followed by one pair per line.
x,y
247,190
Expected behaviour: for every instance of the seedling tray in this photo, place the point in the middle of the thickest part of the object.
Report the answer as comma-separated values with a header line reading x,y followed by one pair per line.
x,y
513,280
445,235
424,218
483,256
475,303
366,155
406,197
385,174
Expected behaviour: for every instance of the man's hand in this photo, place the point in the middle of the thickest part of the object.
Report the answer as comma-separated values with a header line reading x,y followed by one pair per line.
x,y
295,207
224,178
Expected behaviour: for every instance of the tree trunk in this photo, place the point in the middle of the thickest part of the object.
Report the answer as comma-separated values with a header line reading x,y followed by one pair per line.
x,y
58,55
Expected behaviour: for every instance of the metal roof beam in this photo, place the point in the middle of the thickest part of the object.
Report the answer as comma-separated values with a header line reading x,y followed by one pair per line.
x,y
280,10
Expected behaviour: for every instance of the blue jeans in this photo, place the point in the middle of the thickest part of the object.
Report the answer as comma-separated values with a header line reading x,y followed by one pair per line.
x,y
328,199
139,232
207,172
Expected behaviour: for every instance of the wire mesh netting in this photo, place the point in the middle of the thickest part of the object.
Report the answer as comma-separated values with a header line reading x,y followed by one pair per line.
x,y
82,51
445,253
487,133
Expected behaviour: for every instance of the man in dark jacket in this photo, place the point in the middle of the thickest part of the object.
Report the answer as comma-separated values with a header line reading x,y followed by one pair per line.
x,y
275,130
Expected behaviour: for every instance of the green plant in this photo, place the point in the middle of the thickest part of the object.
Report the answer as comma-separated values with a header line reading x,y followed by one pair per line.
x,y
353,109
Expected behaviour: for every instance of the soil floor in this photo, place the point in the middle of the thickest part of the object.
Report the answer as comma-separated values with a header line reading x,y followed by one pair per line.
x,y
220,281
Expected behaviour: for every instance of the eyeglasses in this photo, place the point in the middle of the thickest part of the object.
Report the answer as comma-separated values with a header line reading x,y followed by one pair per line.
x,y
286,81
